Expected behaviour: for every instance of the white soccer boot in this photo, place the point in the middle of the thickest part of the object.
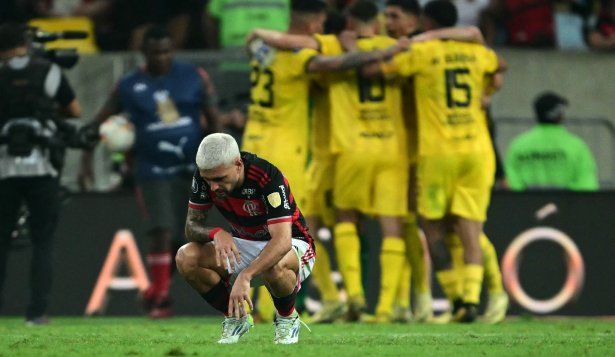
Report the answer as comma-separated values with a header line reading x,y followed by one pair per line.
x,y
287,329
233,329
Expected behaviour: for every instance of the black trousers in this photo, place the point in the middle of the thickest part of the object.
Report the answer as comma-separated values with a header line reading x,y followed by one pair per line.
x,y
40,194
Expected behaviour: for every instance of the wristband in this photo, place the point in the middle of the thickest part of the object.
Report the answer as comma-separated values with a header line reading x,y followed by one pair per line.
x,y
213,232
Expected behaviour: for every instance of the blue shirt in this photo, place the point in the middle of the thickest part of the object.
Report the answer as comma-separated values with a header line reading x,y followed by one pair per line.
x,y
165,111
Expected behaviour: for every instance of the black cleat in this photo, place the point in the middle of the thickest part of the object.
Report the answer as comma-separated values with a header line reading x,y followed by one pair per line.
x,y
457,304
467,313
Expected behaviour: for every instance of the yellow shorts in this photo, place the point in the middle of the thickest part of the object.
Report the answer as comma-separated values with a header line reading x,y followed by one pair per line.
x,y
292,161
373,185
319,197
455,184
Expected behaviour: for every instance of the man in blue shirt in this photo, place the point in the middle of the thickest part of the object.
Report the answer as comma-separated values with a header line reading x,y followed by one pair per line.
x,y
170,104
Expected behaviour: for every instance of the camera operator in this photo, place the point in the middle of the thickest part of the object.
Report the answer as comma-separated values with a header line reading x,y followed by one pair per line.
x,y
35,94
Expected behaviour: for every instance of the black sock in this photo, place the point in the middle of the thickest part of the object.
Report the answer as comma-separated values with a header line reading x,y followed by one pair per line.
x,y
286,304
218,297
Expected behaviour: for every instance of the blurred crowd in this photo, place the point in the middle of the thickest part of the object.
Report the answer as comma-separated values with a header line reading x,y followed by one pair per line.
x,y
211,24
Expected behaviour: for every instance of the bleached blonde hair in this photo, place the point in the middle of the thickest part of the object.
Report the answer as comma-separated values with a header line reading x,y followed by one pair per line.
x,y
215,150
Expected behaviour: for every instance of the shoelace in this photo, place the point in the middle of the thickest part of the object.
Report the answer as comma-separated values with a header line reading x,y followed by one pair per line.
x,y
286,324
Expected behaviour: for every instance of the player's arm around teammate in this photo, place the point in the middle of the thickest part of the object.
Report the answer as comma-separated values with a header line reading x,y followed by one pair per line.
x,y
321,63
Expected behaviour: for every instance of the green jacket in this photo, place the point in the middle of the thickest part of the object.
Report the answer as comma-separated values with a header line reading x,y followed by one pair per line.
x,y
549,156
239,17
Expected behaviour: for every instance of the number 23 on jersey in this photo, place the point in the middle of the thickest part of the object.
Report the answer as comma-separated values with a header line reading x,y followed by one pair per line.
x,y
261,81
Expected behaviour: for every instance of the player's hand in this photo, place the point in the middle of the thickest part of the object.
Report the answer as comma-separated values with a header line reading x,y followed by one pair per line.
x,y
404,43
239,295
227,254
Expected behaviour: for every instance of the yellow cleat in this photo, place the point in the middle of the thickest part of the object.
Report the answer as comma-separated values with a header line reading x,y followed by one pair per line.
x,y
330,311
423,311
375,319
401,314
442,319
496,309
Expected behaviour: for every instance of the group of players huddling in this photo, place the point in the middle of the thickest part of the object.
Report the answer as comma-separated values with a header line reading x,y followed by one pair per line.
x,y
392,127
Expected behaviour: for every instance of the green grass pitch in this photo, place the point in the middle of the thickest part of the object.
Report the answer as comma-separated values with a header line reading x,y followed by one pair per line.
x,y
197,337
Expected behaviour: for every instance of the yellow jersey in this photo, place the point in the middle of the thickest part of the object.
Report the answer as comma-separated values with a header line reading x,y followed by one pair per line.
x,y
366,113
279,100
449,79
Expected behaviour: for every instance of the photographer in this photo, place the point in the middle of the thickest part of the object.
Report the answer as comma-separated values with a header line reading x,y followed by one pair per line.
x,y
34,91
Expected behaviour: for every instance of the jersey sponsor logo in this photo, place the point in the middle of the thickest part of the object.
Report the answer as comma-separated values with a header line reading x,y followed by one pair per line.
x,y
248,191
250,232
261,233
139,87
178,149
274,199
285,199
251,208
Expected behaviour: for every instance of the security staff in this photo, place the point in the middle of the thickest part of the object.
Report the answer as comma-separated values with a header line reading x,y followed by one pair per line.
x,y
548,156
34,93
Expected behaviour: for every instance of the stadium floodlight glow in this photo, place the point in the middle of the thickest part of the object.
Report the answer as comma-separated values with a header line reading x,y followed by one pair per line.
x,y
574,280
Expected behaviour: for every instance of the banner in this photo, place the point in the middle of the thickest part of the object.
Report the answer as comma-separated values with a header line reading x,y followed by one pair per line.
x,y
557,250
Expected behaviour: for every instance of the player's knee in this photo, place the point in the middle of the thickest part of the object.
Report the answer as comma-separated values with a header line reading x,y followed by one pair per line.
x,y
187,259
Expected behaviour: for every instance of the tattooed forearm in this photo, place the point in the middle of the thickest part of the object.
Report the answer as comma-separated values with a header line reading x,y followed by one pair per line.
x,y
350,60
196,231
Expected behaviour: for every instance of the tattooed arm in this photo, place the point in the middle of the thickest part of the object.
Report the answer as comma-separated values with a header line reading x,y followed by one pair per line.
x,y
196,231
353,59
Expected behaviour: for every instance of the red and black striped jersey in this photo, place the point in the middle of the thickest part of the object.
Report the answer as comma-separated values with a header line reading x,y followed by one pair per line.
x,y
264,198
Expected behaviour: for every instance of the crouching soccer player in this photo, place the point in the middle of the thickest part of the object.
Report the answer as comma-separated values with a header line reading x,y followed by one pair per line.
x,y
269,243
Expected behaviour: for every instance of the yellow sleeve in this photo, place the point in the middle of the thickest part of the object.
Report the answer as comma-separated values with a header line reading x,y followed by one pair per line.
x,y
301,58
490,60
402,65
329,45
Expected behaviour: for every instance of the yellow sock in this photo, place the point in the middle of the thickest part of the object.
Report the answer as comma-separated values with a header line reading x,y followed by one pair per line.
x,y
322,274
265,304
493,275
449,282
472,283
348,253
392,258
416,256
403,287
453,242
